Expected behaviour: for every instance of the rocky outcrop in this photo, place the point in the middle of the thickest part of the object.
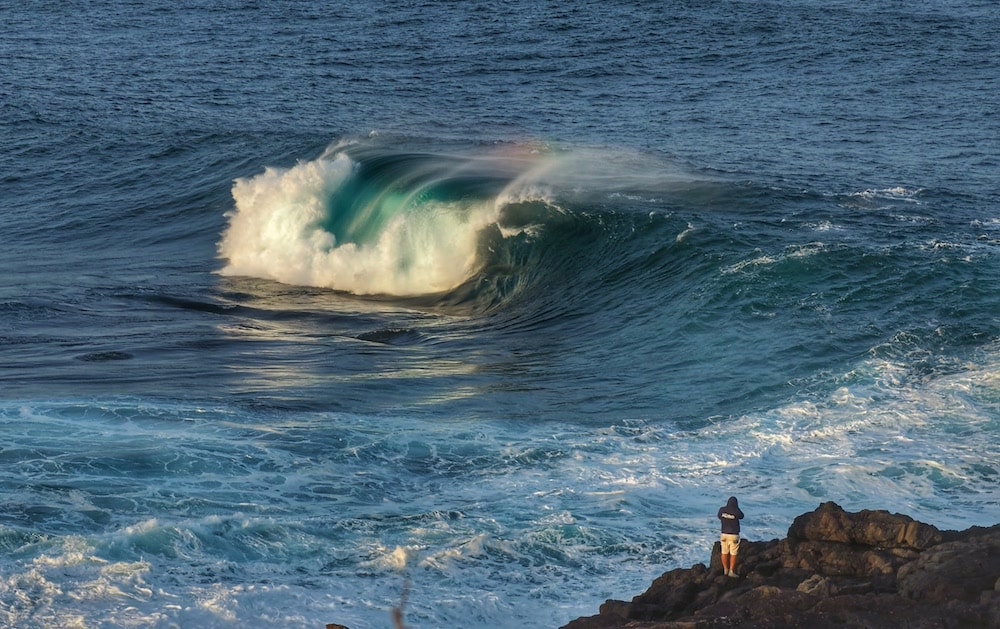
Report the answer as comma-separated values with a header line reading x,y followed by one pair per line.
x,y
835,569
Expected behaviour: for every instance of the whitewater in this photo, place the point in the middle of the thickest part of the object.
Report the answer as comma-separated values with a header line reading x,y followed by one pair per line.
x,y
482,311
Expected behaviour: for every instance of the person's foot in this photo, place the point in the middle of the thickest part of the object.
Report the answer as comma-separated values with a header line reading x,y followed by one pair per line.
x,y
731,573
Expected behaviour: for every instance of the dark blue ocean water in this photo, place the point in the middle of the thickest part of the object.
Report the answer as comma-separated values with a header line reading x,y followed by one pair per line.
x,y
305,307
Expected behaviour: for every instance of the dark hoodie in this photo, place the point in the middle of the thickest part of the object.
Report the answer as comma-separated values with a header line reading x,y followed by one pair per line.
x,y
731,516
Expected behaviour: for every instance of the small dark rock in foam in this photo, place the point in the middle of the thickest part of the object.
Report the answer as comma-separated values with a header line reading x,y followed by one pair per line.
x,y
835,569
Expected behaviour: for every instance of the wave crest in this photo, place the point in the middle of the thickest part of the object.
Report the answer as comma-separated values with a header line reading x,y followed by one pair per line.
x,y
370,219
331,223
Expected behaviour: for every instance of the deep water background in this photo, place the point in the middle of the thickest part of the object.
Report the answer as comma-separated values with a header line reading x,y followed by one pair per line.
x,y
716,248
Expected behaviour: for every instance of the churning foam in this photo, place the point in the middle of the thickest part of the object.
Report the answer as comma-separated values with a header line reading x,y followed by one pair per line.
x,y
277,231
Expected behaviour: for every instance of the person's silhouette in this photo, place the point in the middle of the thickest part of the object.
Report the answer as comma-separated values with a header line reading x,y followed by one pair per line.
x,y
730,516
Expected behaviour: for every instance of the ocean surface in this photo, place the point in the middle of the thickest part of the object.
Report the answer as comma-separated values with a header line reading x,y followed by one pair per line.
x,y
479,309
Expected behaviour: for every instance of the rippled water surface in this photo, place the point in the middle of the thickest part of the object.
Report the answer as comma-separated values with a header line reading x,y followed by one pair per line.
x,y
308,309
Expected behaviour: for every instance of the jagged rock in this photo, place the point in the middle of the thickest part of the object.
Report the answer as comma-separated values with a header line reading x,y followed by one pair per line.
x,y
953,570
835,569
818,585
878,529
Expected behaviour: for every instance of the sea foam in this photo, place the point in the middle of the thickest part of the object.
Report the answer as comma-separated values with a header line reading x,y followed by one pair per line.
x,y
278,231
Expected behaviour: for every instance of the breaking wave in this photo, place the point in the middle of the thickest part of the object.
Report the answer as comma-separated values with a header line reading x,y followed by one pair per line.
x,y
368,219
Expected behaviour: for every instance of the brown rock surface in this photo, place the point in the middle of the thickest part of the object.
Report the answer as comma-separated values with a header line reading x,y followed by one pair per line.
x,y
835,569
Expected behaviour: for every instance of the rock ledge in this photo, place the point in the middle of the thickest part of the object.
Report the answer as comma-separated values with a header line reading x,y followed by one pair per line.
x,y
835,569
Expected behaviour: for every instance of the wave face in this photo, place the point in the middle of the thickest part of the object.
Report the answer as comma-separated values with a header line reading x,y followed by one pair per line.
x,y
370,219
726,291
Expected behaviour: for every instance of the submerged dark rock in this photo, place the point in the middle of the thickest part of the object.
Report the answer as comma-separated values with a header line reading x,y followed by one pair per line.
x,y
97,357
834,569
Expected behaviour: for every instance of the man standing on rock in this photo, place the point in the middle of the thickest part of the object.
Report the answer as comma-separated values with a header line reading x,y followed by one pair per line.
x,y
730,516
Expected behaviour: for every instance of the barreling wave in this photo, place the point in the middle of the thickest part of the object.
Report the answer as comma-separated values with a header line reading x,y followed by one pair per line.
x,y
369,219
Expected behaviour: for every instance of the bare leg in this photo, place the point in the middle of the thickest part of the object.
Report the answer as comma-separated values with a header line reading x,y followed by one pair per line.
x,y
725,563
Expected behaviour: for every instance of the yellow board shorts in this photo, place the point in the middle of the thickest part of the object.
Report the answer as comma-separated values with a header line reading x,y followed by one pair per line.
x,y
730,544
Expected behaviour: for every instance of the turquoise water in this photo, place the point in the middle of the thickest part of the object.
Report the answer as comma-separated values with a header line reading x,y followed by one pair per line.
x,y
495,304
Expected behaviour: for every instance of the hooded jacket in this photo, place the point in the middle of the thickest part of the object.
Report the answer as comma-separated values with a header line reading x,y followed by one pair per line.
x,y
731,516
